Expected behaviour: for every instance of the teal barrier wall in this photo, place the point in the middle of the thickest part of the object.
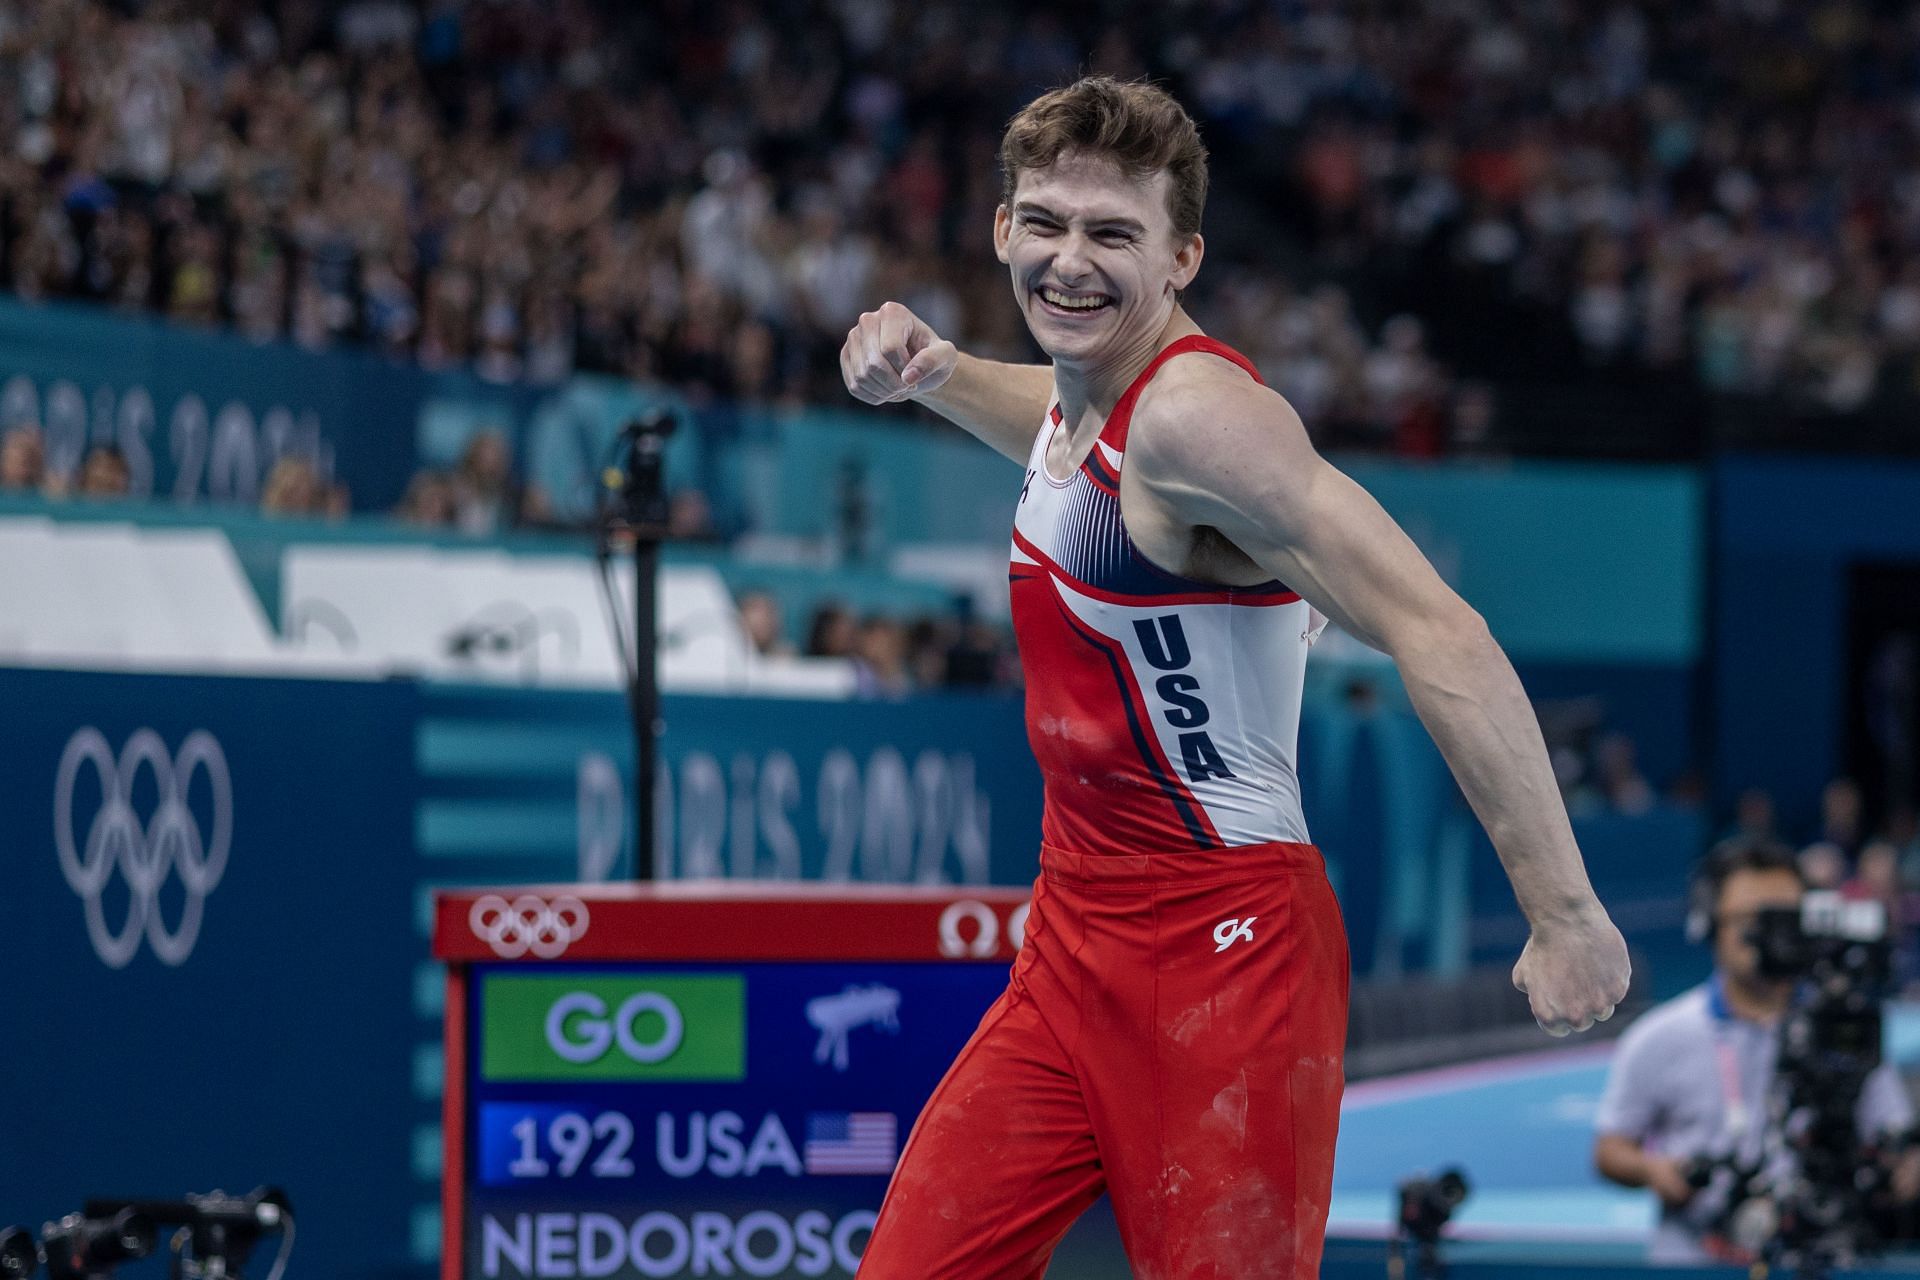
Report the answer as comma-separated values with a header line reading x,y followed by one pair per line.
x,y
227,881
1568,562
1571,563
788,472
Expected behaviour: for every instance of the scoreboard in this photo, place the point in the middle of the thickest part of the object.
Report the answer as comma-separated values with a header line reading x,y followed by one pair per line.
x,y
696,1080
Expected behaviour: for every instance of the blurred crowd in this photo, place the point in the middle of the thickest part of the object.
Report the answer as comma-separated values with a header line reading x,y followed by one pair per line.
x,y
1860,859
1599,772
1731,188
1845,851
708,194
891,657
294,485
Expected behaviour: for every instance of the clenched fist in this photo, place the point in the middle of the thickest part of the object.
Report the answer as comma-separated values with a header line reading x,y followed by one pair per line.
x,y
1574,971
892,355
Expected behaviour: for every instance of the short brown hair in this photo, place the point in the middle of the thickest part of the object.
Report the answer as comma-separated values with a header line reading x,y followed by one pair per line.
x,y
1137,125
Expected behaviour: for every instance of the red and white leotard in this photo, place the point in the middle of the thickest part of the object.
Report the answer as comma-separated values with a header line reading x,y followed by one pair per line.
x,y
1171,1033
1164,711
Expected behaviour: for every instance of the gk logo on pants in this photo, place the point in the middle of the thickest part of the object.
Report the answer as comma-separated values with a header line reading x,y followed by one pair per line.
x,y
143,849
1228,932
626,1027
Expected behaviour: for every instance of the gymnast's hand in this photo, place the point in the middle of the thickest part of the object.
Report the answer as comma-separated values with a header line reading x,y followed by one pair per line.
x,y
892,355
1574,970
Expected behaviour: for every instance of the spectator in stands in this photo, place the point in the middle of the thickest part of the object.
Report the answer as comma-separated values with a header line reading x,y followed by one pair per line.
x,y
1572,772
23,460
280,175
1667,1093
982,656
524,189
760,618
1689,789
428,502
690,517
1625,787
486,498
1876,876
1829,860
1402,388
1903,833
1842,817
1822,866
1472,421
930,641
1753,816
880,658
831,633
103,473
487,494
293,488
336,501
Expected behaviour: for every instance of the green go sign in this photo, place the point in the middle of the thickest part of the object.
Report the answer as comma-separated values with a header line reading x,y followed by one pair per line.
x,y
636,1026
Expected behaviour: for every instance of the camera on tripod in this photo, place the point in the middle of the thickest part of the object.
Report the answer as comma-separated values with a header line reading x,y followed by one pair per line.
x,y
86,1246
1841,951
1817,1194
19,1253
215,1237
1427,1204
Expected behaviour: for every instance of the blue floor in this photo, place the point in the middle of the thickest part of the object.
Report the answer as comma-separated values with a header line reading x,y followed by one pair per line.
x,y
1522,1131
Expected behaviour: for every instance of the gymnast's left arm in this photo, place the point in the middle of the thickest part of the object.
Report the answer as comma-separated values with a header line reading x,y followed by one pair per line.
x,y
1218,450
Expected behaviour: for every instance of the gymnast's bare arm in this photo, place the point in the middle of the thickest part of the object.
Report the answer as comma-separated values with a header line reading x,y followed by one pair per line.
x,y
1210,448
892,355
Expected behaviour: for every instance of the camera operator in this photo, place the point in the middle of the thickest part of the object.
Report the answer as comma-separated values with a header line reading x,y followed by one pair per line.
x,y
1693,1077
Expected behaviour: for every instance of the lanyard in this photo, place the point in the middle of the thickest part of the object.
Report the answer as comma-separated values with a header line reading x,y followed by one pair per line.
x,y
1738,1116
1730,1085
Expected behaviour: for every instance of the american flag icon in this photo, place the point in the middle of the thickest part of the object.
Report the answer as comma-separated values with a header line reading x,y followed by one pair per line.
x,y
852,1142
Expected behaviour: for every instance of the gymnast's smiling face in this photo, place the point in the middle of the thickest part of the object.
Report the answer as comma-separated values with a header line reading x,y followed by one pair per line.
x,y
1095,261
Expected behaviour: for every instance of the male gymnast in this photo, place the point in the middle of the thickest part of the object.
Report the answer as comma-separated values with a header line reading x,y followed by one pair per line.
x,y
1172,1031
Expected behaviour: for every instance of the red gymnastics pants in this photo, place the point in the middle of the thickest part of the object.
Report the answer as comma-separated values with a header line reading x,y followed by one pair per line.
x,y
1172,1034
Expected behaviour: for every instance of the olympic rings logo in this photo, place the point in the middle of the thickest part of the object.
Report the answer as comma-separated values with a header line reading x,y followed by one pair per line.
x,y
528,924
144,854
986,929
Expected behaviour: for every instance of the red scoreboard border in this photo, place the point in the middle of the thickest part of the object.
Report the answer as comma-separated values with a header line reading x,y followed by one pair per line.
x,y
719,920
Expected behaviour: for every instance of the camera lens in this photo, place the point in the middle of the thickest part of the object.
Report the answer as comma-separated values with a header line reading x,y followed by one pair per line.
x,y
19,1255
78,1247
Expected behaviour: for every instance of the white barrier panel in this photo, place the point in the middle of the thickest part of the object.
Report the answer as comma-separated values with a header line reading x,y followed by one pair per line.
x,y
88,593
110,594
489,615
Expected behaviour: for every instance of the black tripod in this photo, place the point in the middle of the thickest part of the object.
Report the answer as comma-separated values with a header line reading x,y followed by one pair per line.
x,y
1426,1205
640,514
217,1233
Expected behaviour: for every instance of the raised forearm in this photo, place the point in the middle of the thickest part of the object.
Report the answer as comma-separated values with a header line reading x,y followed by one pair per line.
x,y
1467,694
1002,404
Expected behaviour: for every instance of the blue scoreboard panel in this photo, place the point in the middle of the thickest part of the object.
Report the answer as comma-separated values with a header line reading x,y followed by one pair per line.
x,y
689,1118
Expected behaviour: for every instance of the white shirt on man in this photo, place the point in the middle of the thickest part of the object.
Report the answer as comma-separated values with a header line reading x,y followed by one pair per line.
x,y
1668,1089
